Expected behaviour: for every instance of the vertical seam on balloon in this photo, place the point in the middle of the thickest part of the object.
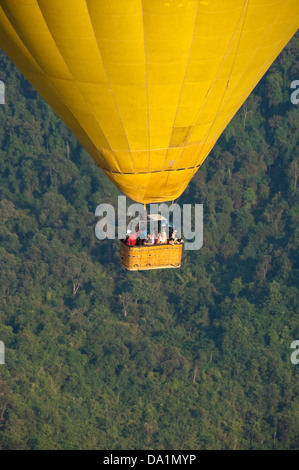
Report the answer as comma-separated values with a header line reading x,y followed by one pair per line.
x,y
75,82
243,15
252,61
91,24
52,85
146,85
187,65
221,106
218,73
221,65
180,156
231,71
166,181
193,34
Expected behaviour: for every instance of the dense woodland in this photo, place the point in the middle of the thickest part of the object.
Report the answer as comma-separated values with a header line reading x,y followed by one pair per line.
x,y
196,358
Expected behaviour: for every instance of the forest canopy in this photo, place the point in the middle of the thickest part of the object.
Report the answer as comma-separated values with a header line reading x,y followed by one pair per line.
x,y
195,358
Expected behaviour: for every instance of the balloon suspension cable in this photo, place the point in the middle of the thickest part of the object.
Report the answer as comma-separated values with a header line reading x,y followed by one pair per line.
x,y
173,203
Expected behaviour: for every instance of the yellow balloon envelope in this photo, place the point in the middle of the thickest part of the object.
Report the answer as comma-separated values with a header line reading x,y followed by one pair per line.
x,y
147,86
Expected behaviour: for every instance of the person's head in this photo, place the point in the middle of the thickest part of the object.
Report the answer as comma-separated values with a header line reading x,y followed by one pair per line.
x,y
175,232
148,235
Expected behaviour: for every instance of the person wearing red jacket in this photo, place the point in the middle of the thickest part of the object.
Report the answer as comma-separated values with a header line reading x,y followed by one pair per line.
x,y
131,238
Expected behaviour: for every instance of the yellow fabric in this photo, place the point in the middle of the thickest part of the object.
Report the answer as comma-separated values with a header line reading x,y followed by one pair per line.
x,y
147,86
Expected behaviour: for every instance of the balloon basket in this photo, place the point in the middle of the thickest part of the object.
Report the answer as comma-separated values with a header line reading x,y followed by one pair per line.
x,y
142,257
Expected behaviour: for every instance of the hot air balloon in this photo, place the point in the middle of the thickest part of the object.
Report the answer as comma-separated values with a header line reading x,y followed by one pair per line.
x,y
147,86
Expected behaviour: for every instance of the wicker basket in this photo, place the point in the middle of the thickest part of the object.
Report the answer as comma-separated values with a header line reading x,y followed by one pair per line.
x,y
135,258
